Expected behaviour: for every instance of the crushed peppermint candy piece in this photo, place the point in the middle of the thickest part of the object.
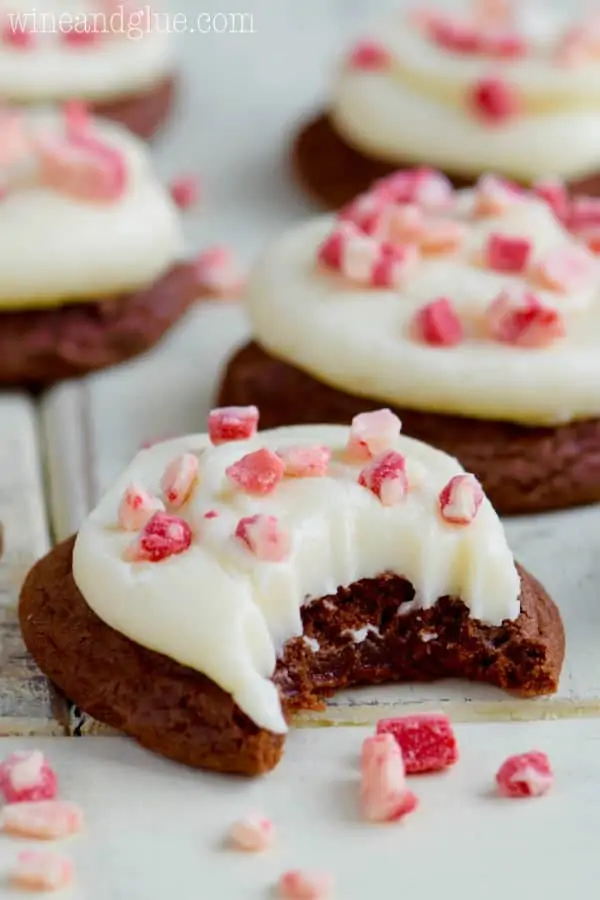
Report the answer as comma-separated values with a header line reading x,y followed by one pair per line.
x,y
554,192
520,318
584,213
364,259
17,35
369,55
441,236
371,433
366,212
41,871
427,741
384,794
385,476
42,819
137,507
423,186
453,34
252,833
257,473
525,775
82,166
300,885
185,191
219,274
460,499
179,479
495,195
304,460
77,117
26,776
162,536
495,101
437,323
565,269
401,223
232,423
507,253
264,537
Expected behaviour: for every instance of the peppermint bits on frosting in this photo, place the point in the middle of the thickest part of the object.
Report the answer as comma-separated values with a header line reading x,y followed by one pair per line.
x,y
438,323
137,507
264,537
372,433
385,476
305,461
232,423
257,473
365,260
161,537
494,101
522,319
460,500
370,56
179,479
506,253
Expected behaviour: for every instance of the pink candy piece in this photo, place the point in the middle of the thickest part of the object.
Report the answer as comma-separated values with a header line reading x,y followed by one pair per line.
x,y
39,871
265,538
371,433
523,320
211,514
565,269
364,259
43,819
556,195
232,423
218,273
366,212
525,775
253,834
26,776
162,536
384,795
304,461
494,195
505,253
438,323
441,236
455,35
179,479
82,166
81,36
495,101
185,191
17,36
427,741
423,186
385,476
137,507
460,499
370,56
299,885
506,45
257,473
584,213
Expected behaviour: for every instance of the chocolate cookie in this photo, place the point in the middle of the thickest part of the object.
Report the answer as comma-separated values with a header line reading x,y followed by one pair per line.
x,y
333,172
40,346
142,113
181,714
522,469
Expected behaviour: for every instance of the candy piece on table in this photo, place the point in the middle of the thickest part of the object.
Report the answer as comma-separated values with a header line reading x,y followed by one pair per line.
x,y
137,507
460,499
507,253
232,423
520,318
185,191
42,819
219,274
554,192
257,473
163,536
301,885
494,101
82,166
565,269
385,476
438,323
26,776
179,479
264,537
384,794
41,871
369,55
494,195
427,741
371,433
253,834
304,460
525,775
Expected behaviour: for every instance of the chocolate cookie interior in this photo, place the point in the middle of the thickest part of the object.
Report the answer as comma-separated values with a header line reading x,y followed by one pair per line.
x,y
364,634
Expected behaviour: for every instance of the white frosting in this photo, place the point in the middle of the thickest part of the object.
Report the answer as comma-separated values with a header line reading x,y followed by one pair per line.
x,y
416,111
358,339
116,66
57,248
219,610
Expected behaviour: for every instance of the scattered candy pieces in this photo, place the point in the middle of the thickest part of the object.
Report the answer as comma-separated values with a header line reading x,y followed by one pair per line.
x,y
162,536
565,269
555,194
26,776
460,499
506,253
299,885
179,479
385,476
305,461
137,507
438,323
17,35
495,101
43,819
265,538
371,433
253,834
185,191
384,794
41,871
232,423
257,473
427,741
525,775
520,318
369,55
494,195
82,166
219,274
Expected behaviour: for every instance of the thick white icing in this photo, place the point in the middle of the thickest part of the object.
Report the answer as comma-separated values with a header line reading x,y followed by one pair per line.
x,y
359,339
57,248
416,110
219,610
114,67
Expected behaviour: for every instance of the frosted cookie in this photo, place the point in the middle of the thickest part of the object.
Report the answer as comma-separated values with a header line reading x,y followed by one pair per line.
x,y
507,87
115,55
228,579
474,315
92,260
